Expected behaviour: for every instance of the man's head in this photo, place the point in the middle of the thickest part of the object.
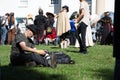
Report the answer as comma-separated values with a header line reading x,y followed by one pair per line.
x,y
32,28
12,14
7,14
106,13
40,11
66,7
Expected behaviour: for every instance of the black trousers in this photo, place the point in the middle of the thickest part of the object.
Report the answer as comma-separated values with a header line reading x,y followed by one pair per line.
x,y
117,70
22,59
82,39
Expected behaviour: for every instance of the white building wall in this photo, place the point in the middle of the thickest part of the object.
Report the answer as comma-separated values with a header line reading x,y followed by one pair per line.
x,y
32,7
73,5
7,6
98,6
109,5
93,7
104,5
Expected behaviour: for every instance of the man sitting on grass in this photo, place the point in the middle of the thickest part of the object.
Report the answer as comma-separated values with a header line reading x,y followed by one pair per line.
x,y
23,51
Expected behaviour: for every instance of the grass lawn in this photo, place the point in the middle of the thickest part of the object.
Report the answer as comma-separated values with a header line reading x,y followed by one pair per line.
x,y
98,64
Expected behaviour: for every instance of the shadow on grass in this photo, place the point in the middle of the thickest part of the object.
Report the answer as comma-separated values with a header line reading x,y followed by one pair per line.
x,y
72,51
26,73
54,47
103,74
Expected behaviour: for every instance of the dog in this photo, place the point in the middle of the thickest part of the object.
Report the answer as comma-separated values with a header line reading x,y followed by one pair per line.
x,y
65,43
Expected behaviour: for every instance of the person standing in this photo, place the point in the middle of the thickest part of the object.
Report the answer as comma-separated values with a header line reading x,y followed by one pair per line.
x,y
106,27
40,21
63,23
3,29
30,19
83,21
11,28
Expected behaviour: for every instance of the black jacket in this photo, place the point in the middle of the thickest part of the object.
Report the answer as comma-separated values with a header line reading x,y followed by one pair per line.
x,y
40,21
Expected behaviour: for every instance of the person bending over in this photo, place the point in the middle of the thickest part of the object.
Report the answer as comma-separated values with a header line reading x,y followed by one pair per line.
x,y
23,51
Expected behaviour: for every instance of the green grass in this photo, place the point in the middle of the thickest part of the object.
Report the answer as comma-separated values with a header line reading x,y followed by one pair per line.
x,y
98,64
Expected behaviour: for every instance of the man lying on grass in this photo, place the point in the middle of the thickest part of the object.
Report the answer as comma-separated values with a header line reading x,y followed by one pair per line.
x,y
23,51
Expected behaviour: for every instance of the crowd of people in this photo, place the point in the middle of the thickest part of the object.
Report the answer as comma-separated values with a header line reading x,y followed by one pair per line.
x,y
54,29
58,29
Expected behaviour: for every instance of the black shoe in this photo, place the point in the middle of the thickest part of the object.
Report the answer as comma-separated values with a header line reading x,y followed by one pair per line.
x,y
32,63
52,61
83,52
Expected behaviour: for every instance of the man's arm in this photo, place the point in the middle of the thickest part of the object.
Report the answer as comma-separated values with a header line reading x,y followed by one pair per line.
x,y
81,15
26,48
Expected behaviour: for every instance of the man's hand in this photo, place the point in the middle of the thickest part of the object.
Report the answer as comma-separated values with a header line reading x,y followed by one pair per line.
x,y
75,20
26,48
42,52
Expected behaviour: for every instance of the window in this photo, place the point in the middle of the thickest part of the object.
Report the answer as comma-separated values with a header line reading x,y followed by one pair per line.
x,y
90,4
54,2
23,3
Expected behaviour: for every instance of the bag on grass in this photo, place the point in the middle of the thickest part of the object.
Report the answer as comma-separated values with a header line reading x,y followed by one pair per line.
x,y
63,58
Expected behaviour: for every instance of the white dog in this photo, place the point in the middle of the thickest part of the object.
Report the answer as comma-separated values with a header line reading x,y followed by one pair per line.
x,y
65,43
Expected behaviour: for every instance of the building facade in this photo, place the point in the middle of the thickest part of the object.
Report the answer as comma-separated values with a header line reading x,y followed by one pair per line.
x,y
23,7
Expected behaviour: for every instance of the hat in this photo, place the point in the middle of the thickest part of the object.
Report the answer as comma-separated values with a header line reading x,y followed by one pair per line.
x,y
29,16
106,13
66,7
49,13
32,27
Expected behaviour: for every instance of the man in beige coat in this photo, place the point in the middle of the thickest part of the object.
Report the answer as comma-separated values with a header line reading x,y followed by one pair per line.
x,y
63,24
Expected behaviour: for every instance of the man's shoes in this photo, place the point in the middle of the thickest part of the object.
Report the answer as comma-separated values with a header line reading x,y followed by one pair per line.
x,y
83,52
29,64
52,61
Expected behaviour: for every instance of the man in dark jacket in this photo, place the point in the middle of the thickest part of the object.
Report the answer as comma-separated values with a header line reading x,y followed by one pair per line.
x,y
40,21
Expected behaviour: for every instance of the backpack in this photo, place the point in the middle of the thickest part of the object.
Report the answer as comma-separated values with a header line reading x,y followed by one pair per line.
x,y
63,58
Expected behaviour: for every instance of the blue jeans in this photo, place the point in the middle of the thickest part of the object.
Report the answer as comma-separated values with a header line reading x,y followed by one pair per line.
x,y
3,34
